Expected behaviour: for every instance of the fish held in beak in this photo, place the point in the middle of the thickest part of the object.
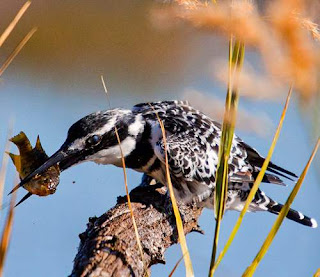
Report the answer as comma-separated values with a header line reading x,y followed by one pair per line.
x,y
29,163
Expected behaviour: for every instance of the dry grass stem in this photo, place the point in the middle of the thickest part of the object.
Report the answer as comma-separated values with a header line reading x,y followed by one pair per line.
x,y
175,267
129,202
190,4
105,89
312,27
182,238
14,22
4,163
6,234
281,37
17,50
3,171
299,54
104,85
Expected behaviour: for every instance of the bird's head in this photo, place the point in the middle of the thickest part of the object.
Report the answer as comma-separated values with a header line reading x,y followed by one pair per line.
x,y
93,138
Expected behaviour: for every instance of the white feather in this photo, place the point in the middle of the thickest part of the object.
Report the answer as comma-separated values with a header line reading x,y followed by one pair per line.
x,y
112,155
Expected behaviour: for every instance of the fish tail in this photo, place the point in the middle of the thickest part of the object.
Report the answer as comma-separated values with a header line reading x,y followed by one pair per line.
x,y
22,142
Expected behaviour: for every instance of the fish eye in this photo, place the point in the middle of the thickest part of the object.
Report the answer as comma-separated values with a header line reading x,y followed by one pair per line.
x,y
93,140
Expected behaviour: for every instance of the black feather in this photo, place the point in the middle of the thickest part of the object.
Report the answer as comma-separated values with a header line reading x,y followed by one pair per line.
x,y
254,158
294,215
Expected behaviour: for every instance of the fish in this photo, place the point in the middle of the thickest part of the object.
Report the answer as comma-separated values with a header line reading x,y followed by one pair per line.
x,y
29,159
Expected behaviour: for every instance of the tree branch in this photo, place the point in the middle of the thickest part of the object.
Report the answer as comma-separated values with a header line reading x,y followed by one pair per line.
x,y
109,248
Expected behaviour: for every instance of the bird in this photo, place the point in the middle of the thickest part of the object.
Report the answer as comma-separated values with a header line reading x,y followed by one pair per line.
x,y
192,147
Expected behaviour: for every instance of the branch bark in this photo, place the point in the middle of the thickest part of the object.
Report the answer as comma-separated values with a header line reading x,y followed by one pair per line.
x,y
109,248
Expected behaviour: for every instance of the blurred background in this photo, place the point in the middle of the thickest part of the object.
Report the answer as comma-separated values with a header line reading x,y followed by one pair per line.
x,y
55,81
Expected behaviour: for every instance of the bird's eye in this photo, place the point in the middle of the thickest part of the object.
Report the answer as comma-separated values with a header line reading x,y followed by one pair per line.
x,y
93,140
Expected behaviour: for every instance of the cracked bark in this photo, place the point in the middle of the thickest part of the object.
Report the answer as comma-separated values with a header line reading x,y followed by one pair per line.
x,y
108,247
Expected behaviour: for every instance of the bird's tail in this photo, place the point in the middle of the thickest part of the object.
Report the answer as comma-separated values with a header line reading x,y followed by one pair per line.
x,y
275,208
262,202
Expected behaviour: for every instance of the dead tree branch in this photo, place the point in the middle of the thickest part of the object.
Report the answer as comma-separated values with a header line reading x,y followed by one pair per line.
x,y
108,247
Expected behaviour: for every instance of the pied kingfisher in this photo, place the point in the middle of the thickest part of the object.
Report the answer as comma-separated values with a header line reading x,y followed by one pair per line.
x,y
192,147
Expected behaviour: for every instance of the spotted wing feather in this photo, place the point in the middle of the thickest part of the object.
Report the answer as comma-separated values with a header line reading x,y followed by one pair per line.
x,y
180,118
192,168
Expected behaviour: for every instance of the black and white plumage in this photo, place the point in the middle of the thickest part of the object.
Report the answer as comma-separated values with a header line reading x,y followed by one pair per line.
x,y
192,147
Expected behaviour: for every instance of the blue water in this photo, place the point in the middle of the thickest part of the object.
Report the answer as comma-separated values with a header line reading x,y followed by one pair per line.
x,y
45,231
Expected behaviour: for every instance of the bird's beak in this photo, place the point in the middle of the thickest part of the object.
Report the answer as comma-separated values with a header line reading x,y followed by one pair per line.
x,y
63,158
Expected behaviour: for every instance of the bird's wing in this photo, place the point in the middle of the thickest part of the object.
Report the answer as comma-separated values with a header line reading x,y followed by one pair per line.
x,y
180,118
256,160
192,167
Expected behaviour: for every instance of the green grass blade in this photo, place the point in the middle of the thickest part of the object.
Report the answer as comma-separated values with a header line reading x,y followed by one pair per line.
x,y
251,269
255,185
236,57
